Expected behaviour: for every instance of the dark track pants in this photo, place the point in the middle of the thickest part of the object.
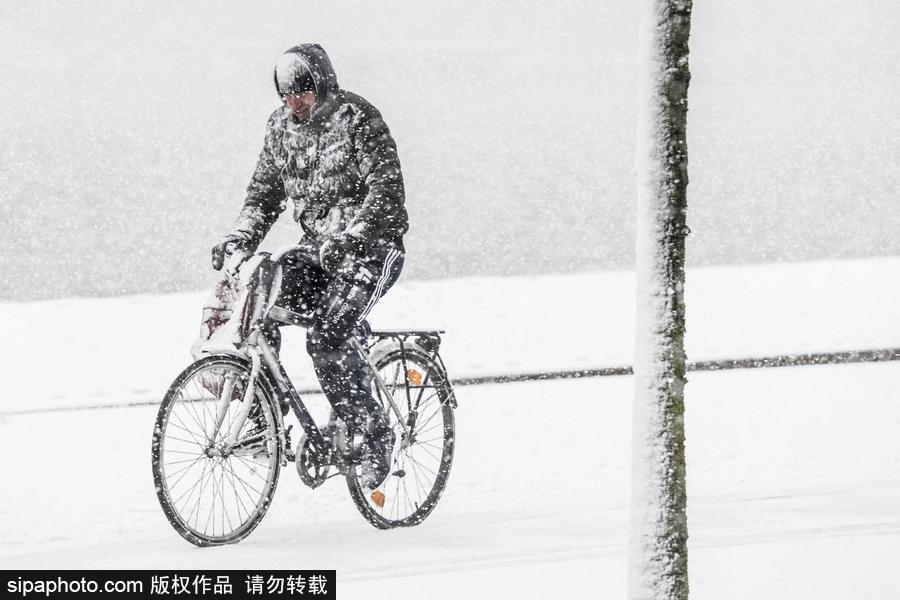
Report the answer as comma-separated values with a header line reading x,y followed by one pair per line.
x,y
339,304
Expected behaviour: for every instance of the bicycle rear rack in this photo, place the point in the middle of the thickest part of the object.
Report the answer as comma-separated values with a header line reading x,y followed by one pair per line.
x,y
427,340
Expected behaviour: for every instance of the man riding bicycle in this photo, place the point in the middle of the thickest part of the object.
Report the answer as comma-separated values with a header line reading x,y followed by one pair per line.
x,y
330,153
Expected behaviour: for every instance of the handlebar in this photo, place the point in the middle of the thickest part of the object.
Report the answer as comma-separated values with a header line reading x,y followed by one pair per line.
x,y
235,257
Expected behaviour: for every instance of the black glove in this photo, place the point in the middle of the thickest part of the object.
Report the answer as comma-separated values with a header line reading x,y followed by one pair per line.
x,y
221,250
335,251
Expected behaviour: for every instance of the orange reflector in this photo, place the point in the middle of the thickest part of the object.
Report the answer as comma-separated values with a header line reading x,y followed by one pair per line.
x,y
414,377
378,498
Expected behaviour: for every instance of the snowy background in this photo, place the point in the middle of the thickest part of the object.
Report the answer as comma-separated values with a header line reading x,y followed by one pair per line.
x,y
128,132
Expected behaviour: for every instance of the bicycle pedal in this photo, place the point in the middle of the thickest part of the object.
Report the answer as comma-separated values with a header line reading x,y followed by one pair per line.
x,y
378,498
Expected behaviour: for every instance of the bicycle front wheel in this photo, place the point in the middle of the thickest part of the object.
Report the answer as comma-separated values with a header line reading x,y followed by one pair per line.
x,y
215,464
422,453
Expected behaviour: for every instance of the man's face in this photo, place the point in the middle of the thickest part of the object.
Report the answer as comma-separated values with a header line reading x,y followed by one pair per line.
x,y
301,104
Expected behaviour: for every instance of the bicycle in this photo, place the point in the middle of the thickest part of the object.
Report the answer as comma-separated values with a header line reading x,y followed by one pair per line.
x,y
220,439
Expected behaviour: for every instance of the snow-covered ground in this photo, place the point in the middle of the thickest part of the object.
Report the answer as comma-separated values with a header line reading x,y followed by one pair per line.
x,y
792,472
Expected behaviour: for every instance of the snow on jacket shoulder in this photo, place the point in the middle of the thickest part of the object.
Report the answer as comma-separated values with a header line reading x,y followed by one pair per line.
x,y
339,169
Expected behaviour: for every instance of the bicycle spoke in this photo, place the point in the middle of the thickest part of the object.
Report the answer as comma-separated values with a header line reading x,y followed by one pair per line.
x,y
211,492
424,451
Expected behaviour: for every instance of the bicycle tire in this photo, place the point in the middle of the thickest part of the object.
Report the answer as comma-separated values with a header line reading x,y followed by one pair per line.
x,y
420,465
212,493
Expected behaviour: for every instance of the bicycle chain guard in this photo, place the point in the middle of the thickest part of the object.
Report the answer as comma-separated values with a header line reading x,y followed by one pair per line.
x,y
312,470
312,467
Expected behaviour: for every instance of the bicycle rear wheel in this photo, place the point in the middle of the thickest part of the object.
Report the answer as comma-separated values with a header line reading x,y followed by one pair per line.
x,y
214,484
422,456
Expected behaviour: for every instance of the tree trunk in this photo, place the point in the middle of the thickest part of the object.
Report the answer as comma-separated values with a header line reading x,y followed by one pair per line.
x,y
658,545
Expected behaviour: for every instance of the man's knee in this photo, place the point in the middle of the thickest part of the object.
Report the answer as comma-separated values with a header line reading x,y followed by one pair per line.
x,y
322,341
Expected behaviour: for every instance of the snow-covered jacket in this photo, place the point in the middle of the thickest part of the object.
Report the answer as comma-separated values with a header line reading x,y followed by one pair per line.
x,y
339,169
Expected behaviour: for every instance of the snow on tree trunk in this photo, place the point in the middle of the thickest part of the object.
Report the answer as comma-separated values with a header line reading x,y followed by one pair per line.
x,y
658,543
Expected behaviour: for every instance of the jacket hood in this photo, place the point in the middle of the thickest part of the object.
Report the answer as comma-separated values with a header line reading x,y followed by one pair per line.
x,y
316,60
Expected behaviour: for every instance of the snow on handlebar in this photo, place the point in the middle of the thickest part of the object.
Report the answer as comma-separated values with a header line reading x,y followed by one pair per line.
x,y
236,257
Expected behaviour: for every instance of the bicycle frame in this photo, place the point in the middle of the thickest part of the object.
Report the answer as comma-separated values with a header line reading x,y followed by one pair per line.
x,y
263,289
220,439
